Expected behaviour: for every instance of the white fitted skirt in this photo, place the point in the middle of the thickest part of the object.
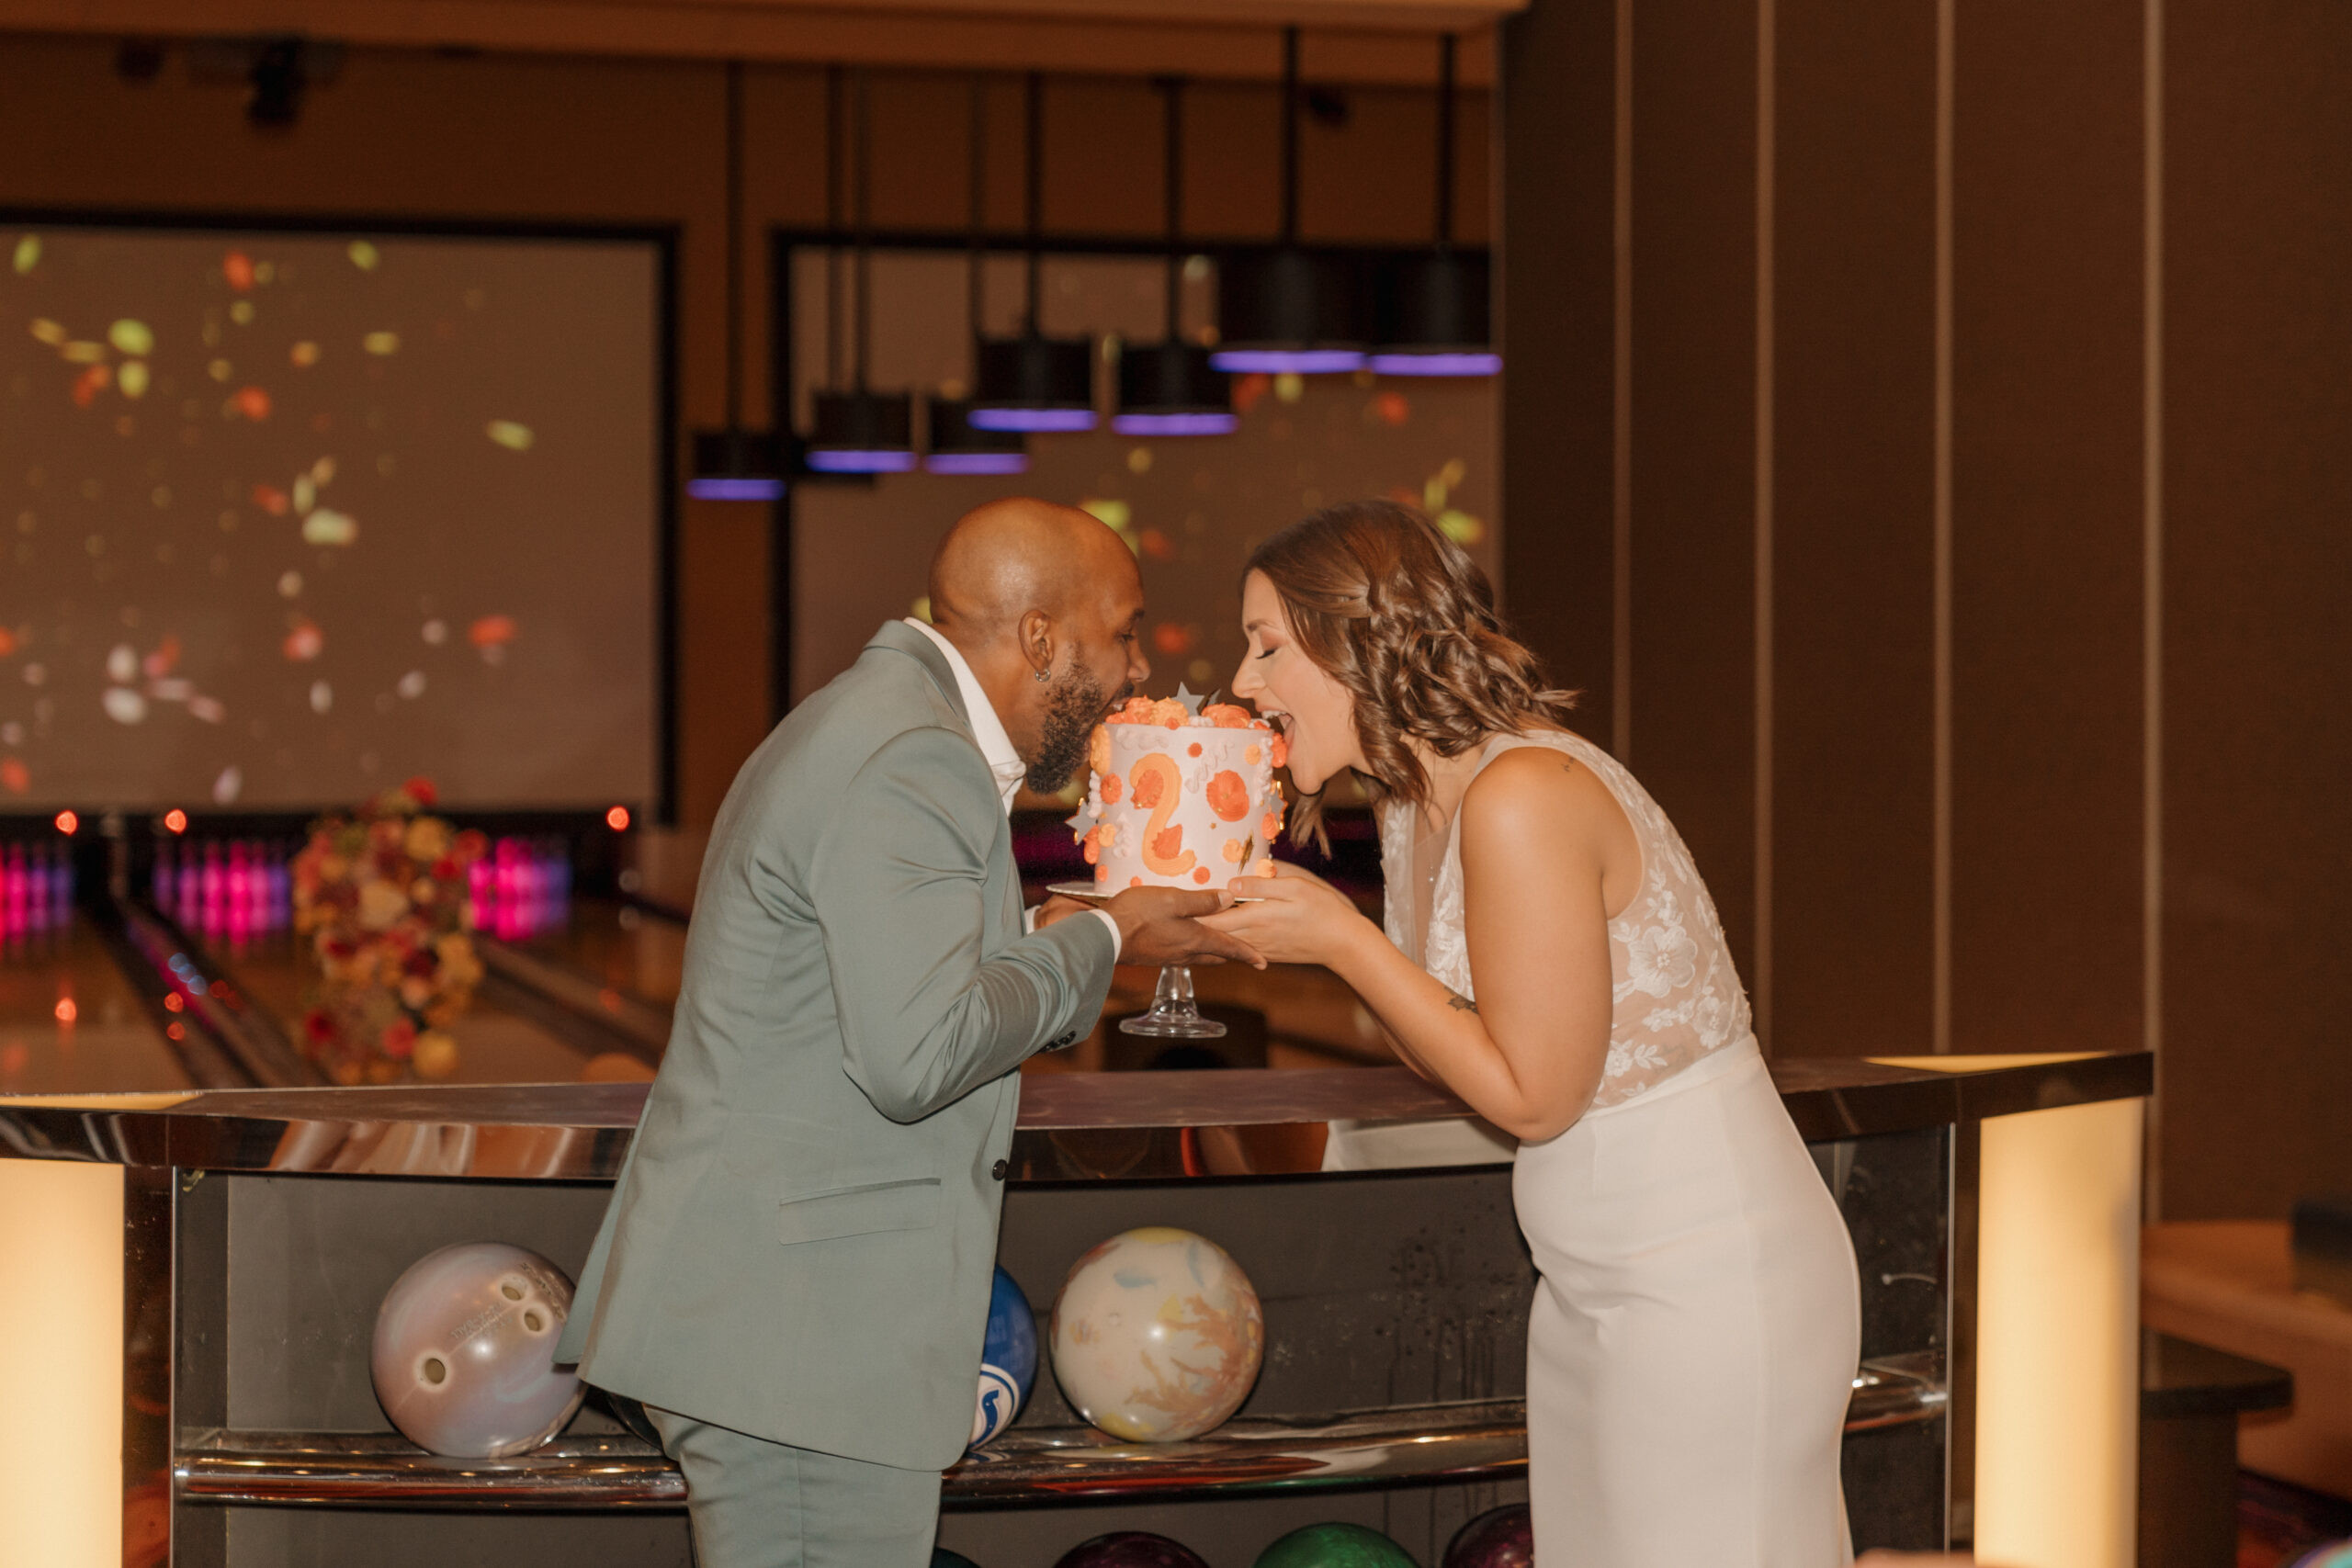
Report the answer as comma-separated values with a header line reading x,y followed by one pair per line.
x,y
1695,1333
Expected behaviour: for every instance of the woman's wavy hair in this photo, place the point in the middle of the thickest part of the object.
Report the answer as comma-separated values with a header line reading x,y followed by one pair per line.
x,y
1400,614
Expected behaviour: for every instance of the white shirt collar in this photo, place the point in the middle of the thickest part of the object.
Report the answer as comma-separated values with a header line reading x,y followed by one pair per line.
x,y
996,746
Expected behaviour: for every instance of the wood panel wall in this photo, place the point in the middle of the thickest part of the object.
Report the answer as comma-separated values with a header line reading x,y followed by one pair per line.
x,y
1977,521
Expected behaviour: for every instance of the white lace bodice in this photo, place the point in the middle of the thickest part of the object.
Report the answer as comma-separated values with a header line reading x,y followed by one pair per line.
x,y
1675,996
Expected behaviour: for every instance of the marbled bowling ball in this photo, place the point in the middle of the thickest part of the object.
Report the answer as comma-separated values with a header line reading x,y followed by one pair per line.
x,y
1008,1360
2329,1554
1156,1335
1335,1546
464,1358
1130,1549
1499,1538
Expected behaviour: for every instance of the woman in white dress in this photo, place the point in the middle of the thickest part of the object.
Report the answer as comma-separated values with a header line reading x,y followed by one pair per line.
x,y
1553,957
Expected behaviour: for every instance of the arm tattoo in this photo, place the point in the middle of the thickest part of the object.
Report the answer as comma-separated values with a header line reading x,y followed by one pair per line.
x,y
1459,1002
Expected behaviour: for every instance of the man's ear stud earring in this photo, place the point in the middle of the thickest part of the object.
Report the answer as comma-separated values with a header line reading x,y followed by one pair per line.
x,y
1041,674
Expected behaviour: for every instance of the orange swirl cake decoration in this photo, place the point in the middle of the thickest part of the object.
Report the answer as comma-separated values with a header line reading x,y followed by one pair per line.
x,y
1179,795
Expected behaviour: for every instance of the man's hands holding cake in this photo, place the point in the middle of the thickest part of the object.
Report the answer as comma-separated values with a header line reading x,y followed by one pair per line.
x,y
1161,925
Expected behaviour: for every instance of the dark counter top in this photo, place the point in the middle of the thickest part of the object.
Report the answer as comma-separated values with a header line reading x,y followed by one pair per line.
x,y
1072,1124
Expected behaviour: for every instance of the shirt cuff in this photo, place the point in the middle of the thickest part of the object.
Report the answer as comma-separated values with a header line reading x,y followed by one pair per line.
x,y
1104,917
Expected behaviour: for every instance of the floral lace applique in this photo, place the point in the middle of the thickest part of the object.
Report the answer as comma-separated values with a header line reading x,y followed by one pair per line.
x,y
1675,993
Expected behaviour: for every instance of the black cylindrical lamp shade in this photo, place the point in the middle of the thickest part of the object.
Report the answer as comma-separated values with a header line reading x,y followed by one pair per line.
x,y
1289,310
1033,384
735,465
1432,315
862,432
959,447
1170,388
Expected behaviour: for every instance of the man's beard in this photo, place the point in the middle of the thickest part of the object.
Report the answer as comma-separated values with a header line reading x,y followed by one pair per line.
x,y
1074,706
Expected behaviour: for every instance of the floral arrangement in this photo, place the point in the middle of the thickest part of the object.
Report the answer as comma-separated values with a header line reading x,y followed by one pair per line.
x,y
382,895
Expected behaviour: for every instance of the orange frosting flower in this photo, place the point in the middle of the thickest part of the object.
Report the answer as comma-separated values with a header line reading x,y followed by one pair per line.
x,y
1112,787
1228,797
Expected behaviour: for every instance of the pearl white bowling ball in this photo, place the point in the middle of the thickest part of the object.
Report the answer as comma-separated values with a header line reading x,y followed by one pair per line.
x,y
464,1357
1156,1335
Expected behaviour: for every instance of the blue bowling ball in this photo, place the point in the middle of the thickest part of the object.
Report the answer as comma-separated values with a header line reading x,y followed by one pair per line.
x,y
1008,1361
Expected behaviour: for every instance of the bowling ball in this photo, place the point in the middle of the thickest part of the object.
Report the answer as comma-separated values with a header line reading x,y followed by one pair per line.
x,y
1499,1538
1156,1335
1335,1546
1130,1549
1008,1360
464,1357
943,1558
2328,1554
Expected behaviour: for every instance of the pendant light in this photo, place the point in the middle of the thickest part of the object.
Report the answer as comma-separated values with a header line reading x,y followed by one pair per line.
x,y
1169,388
857,431
957,446
1433,305
1287,310
735,464
1033,382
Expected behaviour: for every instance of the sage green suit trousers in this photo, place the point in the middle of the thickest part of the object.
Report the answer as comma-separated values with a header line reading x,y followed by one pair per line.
x,y
755,1504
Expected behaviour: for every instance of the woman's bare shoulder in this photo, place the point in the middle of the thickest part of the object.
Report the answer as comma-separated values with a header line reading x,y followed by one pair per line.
x,y
1532,791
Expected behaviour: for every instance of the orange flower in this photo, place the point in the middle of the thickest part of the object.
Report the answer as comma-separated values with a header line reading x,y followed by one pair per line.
x,y
1281,749
1228,797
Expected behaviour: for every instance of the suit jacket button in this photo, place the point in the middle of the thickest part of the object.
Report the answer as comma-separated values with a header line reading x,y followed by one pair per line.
x,y
998,1169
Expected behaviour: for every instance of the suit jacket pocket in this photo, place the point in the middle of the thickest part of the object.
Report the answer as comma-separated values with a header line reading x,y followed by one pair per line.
x,y
860,1210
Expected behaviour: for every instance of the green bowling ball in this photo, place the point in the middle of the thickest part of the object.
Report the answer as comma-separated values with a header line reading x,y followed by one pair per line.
x,y
1335,1546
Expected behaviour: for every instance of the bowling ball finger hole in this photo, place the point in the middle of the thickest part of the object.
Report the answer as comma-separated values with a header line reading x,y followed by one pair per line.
x,y
510,1290
535,1322
435,1371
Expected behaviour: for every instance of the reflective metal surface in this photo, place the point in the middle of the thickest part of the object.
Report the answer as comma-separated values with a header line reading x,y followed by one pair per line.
x,y
1074,1126
1487,1438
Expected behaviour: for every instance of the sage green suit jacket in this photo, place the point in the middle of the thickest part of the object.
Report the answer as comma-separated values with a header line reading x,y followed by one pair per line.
x,y
801,1242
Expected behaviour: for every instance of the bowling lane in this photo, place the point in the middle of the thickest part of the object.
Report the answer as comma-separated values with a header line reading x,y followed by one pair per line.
x,y
500,1039
636,953
70,1023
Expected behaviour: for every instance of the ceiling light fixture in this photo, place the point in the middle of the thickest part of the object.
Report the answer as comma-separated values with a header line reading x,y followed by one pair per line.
x,y
735,464
956,447
1433,305
1033,382
1169,388
857,431
1287,310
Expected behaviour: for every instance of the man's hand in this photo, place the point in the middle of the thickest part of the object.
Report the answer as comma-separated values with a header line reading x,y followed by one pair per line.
x,y
1061,906
1161,925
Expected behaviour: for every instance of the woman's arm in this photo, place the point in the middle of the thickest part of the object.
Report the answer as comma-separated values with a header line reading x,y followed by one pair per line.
x,y
1528,1055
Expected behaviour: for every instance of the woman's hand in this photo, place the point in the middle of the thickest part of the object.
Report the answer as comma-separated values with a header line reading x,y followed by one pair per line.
x,y
1296,918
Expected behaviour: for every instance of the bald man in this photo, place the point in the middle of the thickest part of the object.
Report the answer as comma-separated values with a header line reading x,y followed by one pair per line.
x,y
793,1273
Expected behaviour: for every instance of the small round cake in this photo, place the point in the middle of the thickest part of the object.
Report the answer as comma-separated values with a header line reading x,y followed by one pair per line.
x,y
1181,799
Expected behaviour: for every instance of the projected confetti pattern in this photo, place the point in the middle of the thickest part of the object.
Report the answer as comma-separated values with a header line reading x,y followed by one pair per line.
x,y
284,517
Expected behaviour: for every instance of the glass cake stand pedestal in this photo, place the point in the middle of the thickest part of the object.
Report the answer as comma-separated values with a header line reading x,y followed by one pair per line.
x,y
1173,1014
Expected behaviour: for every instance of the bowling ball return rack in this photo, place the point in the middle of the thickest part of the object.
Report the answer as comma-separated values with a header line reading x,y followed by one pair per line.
x,y
260,1227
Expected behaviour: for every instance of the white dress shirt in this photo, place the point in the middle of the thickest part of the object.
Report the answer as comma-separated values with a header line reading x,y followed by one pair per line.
x,y
995,746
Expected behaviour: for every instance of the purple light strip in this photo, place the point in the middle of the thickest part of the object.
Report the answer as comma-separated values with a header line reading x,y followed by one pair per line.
x,y
977,463
1295,361
1189,422
861,460
1452,362
1031,420
735,489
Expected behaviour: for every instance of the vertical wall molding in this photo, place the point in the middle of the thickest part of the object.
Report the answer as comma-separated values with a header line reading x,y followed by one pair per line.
x,y
1621,556
1946,85
2151,560
1761,988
